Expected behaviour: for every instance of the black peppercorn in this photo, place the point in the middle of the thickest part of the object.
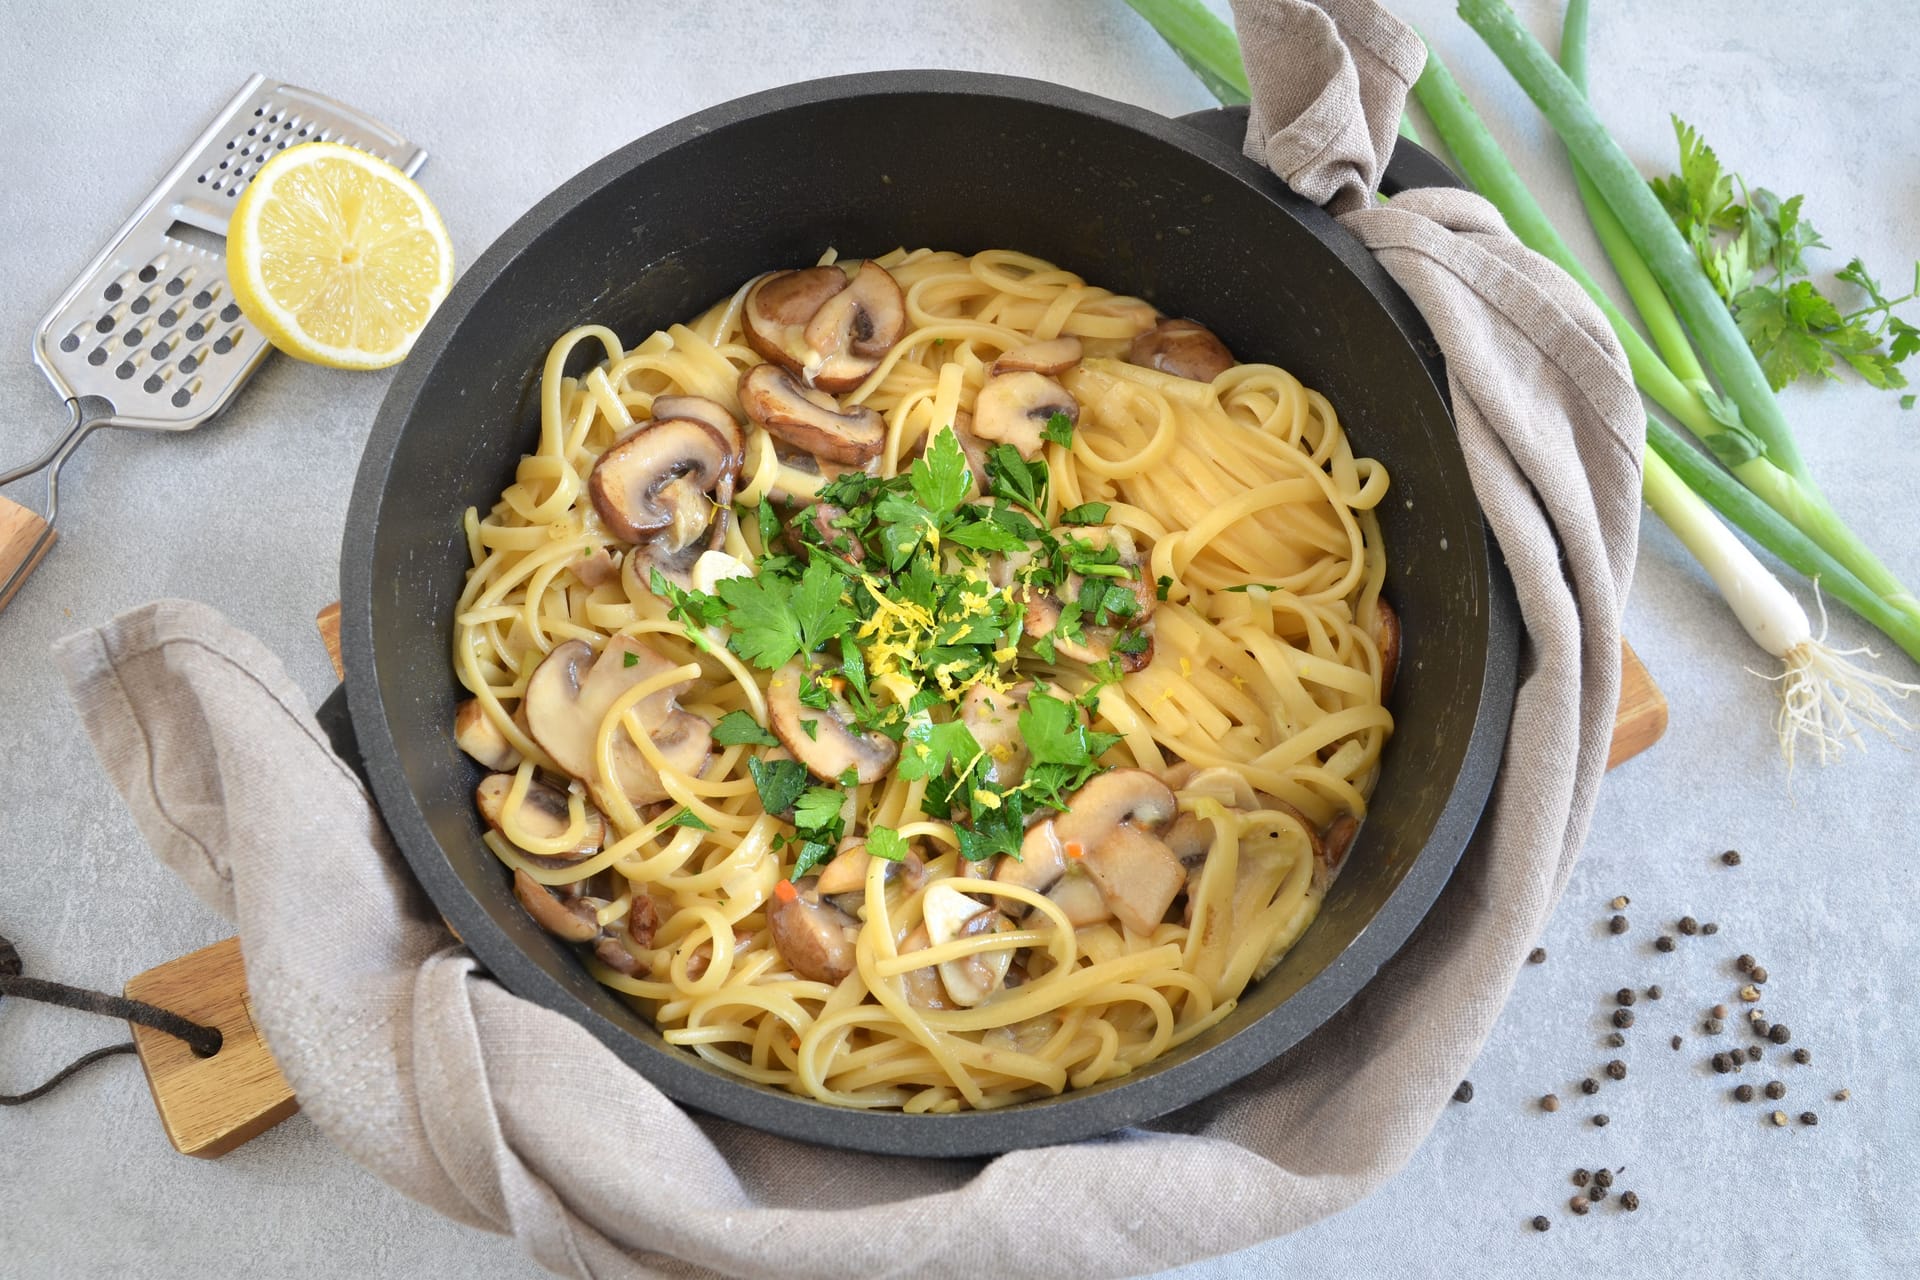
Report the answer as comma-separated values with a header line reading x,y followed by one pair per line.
x,y
1743,1093
1603,1178
1465,1092
1581,1177
1689,926
1745,963
1624,996
1623,1018
1761,1027
1540,1222
1675,1042
1537,956
1759,975
1731,857
1803,1056
1776,1090
1615,1040
1589,1085
1617,925
1600,1121
1753,1053
1550,1103
1709,928
1808,1117
1629,1201
1779,1034
1654,992
1596,1193
1579,1204
1721,1064
1616,1070
1712,1026
1663,943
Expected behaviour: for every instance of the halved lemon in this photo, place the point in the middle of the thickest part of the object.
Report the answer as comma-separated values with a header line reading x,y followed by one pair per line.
x,y
337,256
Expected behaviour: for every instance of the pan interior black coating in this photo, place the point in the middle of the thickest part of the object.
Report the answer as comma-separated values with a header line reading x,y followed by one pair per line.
x,y
1133,202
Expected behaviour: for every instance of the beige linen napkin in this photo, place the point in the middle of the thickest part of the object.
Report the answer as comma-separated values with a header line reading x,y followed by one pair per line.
x,y
512,1118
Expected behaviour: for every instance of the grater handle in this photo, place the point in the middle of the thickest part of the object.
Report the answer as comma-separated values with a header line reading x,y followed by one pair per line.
x,y
26,535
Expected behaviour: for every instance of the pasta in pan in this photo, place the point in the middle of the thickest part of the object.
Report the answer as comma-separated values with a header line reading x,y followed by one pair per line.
x,y
928,683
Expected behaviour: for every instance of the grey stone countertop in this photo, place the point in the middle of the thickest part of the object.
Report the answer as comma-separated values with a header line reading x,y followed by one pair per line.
x,y
246,514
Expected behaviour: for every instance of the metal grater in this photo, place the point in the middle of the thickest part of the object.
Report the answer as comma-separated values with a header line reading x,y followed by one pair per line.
x,y
149,337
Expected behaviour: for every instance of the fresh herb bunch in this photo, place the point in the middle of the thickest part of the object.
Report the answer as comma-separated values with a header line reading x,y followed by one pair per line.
x,y
902,593
1753,248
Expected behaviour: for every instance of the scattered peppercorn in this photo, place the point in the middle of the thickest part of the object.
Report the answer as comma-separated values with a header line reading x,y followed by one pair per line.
x,y
1753,1053
1676,1042
1550,1103
1616,1070
1709,928
1808,1117
1465,1092
1689,926
1579,1204
1843,1095
1776,1090
1596,1193
1721,1064
1803,1056
1540,1222
1629,1201
1603,1178
1743,1093
1620,902
1623,1018
1745,963
1617,925
1759,975
1589,1085
1761,1027
1731,857
1719,1011
1779,1118
1654,992
1624,996
1537,956
1615,1040
1779,1034
1600,1121
1711,1026
1581,1177
1663,943
1750,993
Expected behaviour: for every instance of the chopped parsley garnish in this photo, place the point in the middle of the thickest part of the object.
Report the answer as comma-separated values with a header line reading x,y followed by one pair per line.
x,y
886,843
779,782
686,818
737,728
1059,430
630,659
1086,513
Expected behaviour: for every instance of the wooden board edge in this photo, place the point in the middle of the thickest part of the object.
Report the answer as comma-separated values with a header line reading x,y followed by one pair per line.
x,y
1642,715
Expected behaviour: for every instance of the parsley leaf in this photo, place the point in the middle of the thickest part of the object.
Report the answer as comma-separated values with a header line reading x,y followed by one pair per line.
x,y
737,728
939,477
886,843
1013,478
687,818
812,854
1059,430
779,782
773,619
818,807
1086,513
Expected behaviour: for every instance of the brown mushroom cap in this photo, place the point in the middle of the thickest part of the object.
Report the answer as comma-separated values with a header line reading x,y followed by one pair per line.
x,y
847,872
475,733
1053,357
823,328
701,409
1013,408
1386,636
656,481
1182,348
572,919
544,814
993,717
832,747
808,419
815,938
572,689
1117,819
948,915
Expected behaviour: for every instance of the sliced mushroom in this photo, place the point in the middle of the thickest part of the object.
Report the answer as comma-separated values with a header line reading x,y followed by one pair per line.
x,y
830,747
808,419
570,693
613,953
1117,820
1386,637
475,733
656,482
815,938
1043,867
572,919
643,920
1013,408
923,986
949,915
1044,611
1053,357
820,326
595,568
1333,846
800,476
676,566
993,717
847,872
543,814
1182,348
1079,898
975,451
701,409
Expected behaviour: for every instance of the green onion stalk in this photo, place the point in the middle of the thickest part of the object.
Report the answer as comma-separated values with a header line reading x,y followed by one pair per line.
x,y
1759,432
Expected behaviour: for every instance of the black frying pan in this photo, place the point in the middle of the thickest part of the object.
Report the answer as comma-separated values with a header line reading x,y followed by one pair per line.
x,y
1132,201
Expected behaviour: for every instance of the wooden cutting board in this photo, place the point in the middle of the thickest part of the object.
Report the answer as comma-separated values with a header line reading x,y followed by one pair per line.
x,y
209,1106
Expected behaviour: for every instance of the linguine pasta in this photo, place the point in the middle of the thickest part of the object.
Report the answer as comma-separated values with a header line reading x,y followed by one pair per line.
x,y
1244,683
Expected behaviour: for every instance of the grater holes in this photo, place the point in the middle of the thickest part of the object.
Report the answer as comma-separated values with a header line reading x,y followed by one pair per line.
x,y
104,324
149,273
70,343
196,331
168,318
141,306
113,292
176,286
134,337
192,360
229,313
153,383
228,341
125,370
203,299
161,350
184,394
